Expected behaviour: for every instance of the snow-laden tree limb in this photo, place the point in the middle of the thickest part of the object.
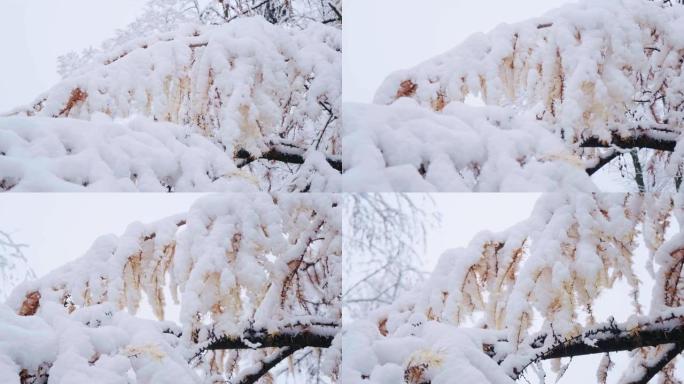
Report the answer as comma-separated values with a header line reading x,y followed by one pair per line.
x,y
512,299
266,268
295,336
651,139
600,338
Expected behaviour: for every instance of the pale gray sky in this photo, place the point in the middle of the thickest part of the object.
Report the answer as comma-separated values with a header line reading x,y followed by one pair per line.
x,y
36,32
381,36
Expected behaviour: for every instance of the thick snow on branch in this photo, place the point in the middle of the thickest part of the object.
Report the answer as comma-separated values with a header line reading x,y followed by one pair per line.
x,y
246,271
403,147
590,68
604,73
43,154
243,85
526,294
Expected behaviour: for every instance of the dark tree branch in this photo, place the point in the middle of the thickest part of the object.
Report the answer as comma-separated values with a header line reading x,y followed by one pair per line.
x,y
337,12
297,336
275,154
652,370
264,340
620,341
638,171
640,140
609,337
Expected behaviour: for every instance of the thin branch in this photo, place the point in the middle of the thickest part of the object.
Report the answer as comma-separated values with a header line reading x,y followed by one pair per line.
x,y
266,365
638,171
665,359
602,162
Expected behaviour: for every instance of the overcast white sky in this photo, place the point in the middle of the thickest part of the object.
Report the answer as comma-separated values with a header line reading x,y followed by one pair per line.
x,y
381,36
36,32
60,227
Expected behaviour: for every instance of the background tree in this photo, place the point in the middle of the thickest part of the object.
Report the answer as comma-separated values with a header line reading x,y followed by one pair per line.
x,y
385,235
14,266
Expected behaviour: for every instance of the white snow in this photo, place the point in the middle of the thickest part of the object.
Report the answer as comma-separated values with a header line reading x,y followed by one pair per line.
x,y
404,147
517,292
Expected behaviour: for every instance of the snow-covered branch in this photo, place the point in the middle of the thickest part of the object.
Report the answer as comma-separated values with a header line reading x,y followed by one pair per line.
x,y
291,155
588,73
266,268
312,335
601,338
661,141
238,87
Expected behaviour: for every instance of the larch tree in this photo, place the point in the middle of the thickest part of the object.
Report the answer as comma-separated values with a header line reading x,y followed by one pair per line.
x,y
177,102
564,95
255,280
493,311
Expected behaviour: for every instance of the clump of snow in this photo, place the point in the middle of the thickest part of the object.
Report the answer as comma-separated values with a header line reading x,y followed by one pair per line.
x,y
93,344
426,352
404,147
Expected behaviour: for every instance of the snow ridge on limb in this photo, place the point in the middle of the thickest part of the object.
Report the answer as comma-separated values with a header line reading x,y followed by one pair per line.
x,y
405,147
249,272
243,85
526,294
44,154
